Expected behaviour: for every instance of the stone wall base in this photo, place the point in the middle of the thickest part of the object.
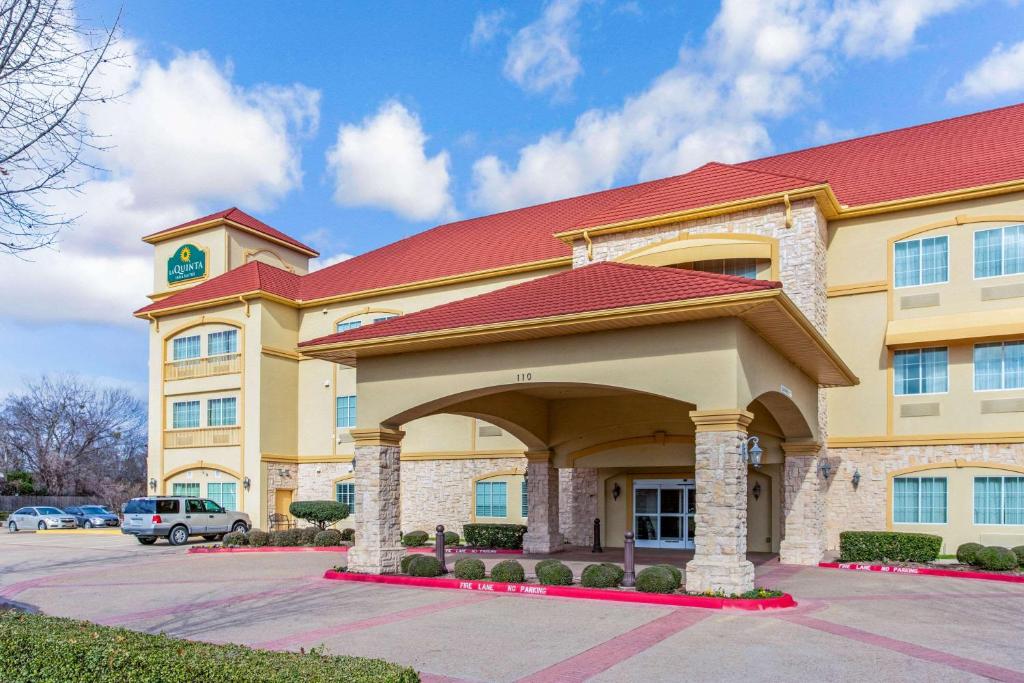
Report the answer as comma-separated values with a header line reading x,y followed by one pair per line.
x,y
577,504
801,552
375,560
727,576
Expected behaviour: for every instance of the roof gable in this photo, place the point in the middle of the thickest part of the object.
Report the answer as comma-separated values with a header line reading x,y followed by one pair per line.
x,y
254,276
239,217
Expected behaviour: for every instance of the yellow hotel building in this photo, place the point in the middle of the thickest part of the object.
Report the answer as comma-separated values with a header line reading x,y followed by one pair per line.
x,y
745,357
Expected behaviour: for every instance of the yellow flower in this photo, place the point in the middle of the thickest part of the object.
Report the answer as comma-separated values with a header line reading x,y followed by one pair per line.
x,y
186,254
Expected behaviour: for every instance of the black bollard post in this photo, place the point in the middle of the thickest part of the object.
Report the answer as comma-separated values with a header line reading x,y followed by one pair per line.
x,y
597,537
629,578
439,547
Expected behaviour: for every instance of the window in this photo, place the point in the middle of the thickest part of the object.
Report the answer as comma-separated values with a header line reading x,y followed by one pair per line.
x,y
222,493
193,506
346,411
744,267
526,506
185,489
347,325
919,500
345,492
185,415
921,371
999,251
221,412
922,262
999,365
999,500
491,499
220,343
382,318
186,347
211,506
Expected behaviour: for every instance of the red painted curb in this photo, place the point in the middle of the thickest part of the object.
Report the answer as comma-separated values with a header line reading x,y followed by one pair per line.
x,y
466,551
268,549
922,571
752,604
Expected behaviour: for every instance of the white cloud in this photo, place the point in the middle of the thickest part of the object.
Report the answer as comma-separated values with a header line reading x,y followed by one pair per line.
x,y
755,65
486,26
327,261
824,133
1000,73
382,162
540,55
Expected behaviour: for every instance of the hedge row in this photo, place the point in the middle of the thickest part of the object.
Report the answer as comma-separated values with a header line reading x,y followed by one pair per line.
x,y
494,535
286,538
993,557
888,546
43,649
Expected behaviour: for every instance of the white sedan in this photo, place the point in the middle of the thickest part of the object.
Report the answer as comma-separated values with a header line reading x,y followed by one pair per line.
x,y
41,518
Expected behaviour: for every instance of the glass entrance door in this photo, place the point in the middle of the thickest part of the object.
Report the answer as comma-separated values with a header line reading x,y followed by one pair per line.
x,y
663,513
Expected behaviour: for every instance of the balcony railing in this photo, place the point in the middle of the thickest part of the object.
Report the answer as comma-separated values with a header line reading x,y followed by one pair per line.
x,y
207,366
202,438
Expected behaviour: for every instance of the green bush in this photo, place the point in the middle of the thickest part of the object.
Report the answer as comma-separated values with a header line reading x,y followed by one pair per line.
x,y
322,513
4,516
470,568
258,538
539,567
1019,552
235,539
677,575
996,558
424,565
348,535
619,571
403,564
286,538
451,539
555,573
308,534
888,546
414,539
327,538
967,553
41,648
494,535
600,576
655,580
508,571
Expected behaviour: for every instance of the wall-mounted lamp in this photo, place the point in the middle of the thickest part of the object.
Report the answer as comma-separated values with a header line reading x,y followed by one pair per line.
x,y
756,490
856,478
826,469
750,450
246,483
152,484
281,472
616,492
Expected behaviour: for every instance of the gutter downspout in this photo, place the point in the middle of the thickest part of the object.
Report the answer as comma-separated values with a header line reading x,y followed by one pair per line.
x,y
590,245
241,298
153,320
789,210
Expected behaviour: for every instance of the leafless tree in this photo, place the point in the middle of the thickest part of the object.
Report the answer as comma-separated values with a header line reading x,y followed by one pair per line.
x,y
76,438
47,63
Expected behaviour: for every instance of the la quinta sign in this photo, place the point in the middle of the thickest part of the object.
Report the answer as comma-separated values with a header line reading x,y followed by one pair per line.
x,y
187,263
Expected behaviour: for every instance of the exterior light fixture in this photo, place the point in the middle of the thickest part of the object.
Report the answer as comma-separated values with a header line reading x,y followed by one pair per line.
x,y
826,469
756,490
750,451
246,483
856,478
616,491
152,484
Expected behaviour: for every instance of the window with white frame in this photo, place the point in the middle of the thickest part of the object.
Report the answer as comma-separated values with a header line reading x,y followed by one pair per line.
x,y
386,316
223,493
921,371
345,492
185,348
222,412
185,415
999,251
744,267
189,489
345,412
999,365
220,343
999,500
346,325
919,500
921,261
491,499
525,499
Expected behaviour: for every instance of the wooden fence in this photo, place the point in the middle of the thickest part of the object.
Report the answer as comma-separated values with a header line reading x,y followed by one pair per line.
x,y
12,503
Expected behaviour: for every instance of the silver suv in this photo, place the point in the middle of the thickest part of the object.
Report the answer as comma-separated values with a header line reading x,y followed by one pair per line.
x,y
177,517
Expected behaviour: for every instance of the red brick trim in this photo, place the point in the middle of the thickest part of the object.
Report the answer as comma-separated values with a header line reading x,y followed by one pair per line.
x,y
923,571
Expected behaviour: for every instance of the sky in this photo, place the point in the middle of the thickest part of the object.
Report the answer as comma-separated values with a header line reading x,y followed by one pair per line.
x,y
351,125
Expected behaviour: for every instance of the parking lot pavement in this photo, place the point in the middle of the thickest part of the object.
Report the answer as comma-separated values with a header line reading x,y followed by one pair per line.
x,y
848,626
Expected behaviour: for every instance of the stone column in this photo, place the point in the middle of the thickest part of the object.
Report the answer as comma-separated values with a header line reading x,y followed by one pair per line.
x,y
378,548
577,504
542,517
803,505
720,546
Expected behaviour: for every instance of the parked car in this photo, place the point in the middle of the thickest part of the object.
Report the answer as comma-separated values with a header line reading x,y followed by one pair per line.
x,y
41,518
176,518
89,516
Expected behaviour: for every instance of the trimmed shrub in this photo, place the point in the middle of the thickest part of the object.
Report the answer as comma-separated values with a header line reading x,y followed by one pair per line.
x,y
655,580
600,576
286,538
996,558
415,538
967,553
327,538
308,534
555,574
619,571
494,535
348,535
470,568
403,564
450,539
677,575
888,546
537,568
258,538
234,539
424,565
43,648
322,513
508,571
1019,552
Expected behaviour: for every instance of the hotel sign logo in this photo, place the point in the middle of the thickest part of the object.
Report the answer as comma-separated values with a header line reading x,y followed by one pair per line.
x,y
187,263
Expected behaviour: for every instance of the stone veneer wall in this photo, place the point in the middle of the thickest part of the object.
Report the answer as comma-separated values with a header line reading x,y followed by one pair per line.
x,y
864,508
279,476
316,480
577,504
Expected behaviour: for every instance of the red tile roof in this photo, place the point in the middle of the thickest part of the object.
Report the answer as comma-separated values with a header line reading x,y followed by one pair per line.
x,y
242,218
253,276
597,287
